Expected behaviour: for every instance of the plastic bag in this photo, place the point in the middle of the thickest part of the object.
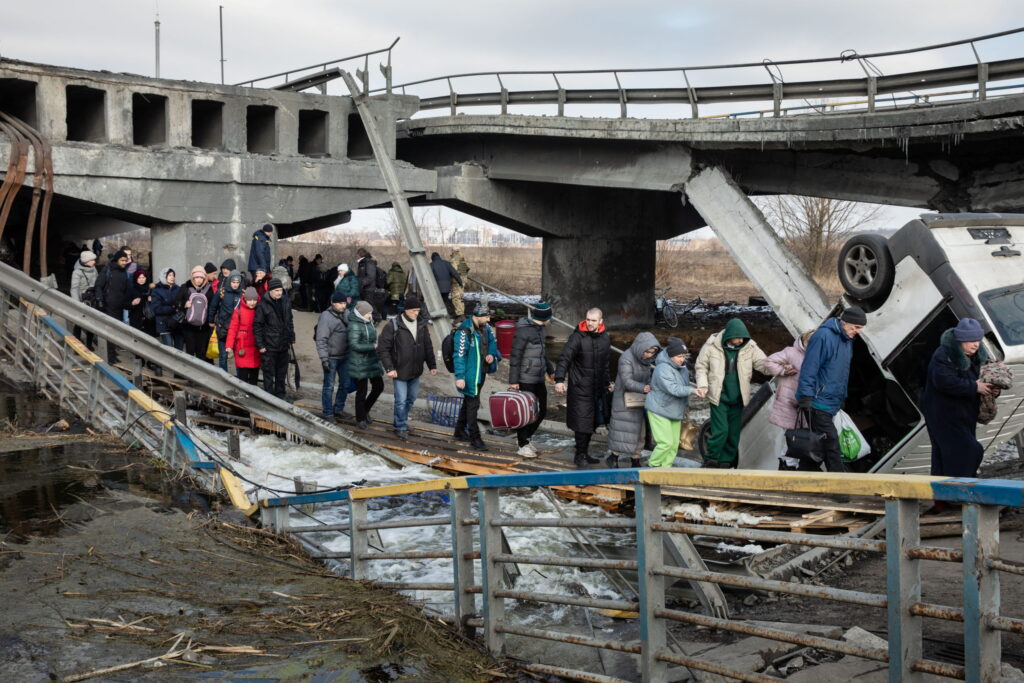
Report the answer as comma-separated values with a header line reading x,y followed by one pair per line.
x,y
852,443
213,349
688,435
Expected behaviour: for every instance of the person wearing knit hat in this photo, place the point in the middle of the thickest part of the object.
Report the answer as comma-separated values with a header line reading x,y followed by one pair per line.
x,y
275,335
668,400
347,284
225,301
824,378
474,356
527,366
724,369
196,299
404,347
331,338
83,276
951,400
363,362
241,338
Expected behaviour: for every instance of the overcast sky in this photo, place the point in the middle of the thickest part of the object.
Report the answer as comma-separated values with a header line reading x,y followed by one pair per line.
x,y
445,37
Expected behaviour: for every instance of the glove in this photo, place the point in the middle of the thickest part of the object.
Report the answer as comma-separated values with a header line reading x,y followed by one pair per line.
x,y
326,366
804,402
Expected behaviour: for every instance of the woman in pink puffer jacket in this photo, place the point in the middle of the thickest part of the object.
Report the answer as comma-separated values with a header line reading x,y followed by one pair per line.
x,y
786,366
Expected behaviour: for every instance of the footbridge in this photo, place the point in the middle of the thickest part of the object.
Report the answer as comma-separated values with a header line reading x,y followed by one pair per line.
x,y
462,522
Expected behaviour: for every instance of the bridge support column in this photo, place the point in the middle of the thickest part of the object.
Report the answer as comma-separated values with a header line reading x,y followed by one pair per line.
x,y
615,274
184,245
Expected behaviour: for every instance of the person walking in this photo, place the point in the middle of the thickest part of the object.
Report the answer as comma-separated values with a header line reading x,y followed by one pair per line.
x,y
824,377
241,339
397,282
527,367
259,250
83,277
668,401
138,298
331,338
112,292
347,285
626,432
275,334
458,288
724,368
952,398
366,272
404,347
195,299
228,298
475,355
163,301
444,275
364,364
785,366
584,362
227,267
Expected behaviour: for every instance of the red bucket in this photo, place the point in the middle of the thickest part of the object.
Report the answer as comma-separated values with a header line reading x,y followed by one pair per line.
x,y
506,330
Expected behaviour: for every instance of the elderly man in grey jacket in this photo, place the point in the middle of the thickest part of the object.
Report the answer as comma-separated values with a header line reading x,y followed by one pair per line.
x,y
332,347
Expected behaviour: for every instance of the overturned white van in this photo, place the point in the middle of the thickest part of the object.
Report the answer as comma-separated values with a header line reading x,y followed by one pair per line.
x,y
914,285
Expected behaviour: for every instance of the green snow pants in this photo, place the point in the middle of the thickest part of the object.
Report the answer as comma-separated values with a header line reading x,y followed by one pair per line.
x,y
724,441
666,436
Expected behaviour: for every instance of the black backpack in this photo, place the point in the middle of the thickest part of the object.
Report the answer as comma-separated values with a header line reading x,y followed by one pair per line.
x,y
448,350
380,278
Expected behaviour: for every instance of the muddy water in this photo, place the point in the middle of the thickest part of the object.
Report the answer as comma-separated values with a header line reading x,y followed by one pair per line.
x,y
47,489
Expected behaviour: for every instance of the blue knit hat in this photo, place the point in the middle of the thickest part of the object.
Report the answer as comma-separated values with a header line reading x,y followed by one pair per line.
x,y
541,312
968,330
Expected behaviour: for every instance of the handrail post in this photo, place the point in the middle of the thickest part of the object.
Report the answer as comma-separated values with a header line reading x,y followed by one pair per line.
x,y
491,575
982,644
903,588
462,568
358,545
872,91
650,556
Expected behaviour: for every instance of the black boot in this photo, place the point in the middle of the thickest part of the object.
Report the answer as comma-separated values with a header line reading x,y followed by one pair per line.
x,y
478,443
461,435
579,461
634,462
612,461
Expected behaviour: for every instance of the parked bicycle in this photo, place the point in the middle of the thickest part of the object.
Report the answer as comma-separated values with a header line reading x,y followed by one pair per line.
x,y
663,310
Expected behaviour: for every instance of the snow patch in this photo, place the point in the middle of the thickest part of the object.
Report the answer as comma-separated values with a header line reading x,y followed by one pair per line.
x,y
696,513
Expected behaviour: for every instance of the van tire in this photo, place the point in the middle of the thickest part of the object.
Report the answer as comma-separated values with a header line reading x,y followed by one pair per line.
x,y
866,270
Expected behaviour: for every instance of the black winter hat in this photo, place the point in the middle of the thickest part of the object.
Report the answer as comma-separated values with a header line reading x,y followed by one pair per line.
x,y
338,298
229,263
268,227
675,347
209,267
411,302
275,283
854,315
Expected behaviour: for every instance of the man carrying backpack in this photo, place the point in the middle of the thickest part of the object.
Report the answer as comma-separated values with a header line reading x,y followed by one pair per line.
x,y
475,355
403,347
275,333
195,306
331,336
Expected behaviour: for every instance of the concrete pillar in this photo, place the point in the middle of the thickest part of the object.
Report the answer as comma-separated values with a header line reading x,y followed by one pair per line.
x,y
615,274
184,245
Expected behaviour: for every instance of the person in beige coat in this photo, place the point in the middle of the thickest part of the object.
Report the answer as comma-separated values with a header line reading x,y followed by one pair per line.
x,y
724,367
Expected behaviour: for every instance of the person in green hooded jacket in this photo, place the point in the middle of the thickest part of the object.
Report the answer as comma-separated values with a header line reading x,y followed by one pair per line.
x,y
724,367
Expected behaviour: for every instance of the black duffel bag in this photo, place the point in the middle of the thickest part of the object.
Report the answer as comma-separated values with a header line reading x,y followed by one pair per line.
x,y
803,443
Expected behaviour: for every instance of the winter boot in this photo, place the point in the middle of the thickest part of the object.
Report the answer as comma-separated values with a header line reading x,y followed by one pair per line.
x,y
478,443
612,461
634,462
461,435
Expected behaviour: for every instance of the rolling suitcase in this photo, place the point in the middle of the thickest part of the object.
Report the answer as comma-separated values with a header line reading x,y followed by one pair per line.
x,y
513,409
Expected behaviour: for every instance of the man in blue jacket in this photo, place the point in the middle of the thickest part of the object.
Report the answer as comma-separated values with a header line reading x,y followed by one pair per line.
x,y
259,252
475,355
825,375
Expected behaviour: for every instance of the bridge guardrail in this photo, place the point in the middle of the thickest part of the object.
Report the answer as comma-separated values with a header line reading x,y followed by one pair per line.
x,y
776,89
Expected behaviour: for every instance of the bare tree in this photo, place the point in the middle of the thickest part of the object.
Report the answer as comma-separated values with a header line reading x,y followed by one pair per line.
x,y
815,227
390,230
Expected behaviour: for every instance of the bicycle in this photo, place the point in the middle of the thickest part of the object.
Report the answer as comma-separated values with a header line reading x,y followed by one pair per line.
x,y
663,310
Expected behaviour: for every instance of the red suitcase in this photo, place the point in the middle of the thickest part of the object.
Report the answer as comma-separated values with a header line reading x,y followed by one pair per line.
x,y
513,409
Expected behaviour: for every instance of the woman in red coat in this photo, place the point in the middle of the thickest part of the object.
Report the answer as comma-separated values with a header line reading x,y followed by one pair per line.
x,y
241,339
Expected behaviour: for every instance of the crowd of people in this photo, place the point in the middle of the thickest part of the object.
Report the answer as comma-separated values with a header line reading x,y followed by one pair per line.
x,y
225,314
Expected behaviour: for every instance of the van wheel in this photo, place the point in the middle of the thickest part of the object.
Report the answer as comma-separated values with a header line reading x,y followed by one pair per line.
x,y
866,270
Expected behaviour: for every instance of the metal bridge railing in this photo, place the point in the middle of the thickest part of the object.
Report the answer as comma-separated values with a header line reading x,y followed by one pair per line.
x,y
900,596
319,74
871,86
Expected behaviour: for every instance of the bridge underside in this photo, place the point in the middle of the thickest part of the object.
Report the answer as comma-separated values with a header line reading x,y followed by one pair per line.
x,y
602,191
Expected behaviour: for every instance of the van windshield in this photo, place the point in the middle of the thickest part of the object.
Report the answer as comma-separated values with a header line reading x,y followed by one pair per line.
x,y
1005,307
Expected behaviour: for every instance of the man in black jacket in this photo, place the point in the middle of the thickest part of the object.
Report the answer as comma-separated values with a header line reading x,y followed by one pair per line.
x,y
275,335
444,273
403,347
112,287
584,360
527,367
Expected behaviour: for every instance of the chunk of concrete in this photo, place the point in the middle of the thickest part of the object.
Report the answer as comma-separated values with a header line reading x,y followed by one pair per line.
x,y
862,638
846,669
